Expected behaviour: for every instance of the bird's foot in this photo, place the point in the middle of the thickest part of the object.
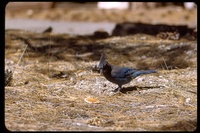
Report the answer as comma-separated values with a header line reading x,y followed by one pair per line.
x,y
117,89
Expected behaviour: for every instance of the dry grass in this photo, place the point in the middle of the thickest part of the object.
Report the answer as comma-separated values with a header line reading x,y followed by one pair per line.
x,y
57,72
39,100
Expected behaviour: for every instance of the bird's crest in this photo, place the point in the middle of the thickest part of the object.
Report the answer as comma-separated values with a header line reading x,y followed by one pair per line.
x,y
102,62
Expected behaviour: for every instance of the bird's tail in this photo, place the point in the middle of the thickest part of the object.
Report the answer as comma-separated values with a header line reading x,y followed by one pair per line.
x,y
134,75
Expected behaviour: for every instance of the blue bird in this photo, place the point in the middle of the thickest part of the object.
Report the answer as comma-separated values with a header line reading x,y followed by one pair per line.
x,y
119,75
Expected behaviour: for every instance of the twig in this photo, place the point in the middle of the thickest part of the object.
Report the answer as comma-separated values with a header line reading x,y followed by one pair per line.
x,y
9,74
165,63
20,58
22,54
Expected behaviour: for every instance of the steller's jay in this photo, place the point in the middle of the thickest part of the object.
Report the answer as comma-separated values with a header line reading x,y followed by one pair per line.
x,y
119,75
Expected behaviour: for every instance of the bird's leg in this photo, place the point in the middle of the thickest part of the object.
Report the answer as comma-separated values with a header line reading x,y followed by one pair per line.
x,y
118,88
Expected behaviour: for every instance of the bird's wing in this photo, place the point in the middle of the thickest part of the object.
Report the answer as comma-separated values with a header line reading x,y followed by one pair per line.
x,y
137,73
122,72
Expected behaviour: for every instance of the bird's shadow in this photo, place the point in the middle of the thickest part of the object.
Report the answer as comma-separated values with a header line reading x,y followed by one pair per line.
x,y
133,88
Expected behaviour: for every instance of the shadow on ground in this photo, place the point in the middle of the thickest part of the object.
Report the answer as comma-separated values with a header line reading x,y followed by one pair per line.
x,y
156,54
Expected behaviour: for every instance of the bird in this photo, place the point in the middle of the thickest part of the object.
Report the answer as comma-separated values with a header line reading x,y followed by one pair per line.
x,y
119,75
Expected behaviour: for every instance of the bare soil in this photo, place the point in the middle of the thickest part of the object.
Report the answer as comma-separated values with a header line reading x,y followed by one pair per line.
x,y
56,72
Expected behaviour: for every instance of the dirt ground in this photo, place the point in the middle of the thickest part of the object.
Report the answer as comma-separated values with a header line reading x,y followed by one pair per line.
x,y
53,74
